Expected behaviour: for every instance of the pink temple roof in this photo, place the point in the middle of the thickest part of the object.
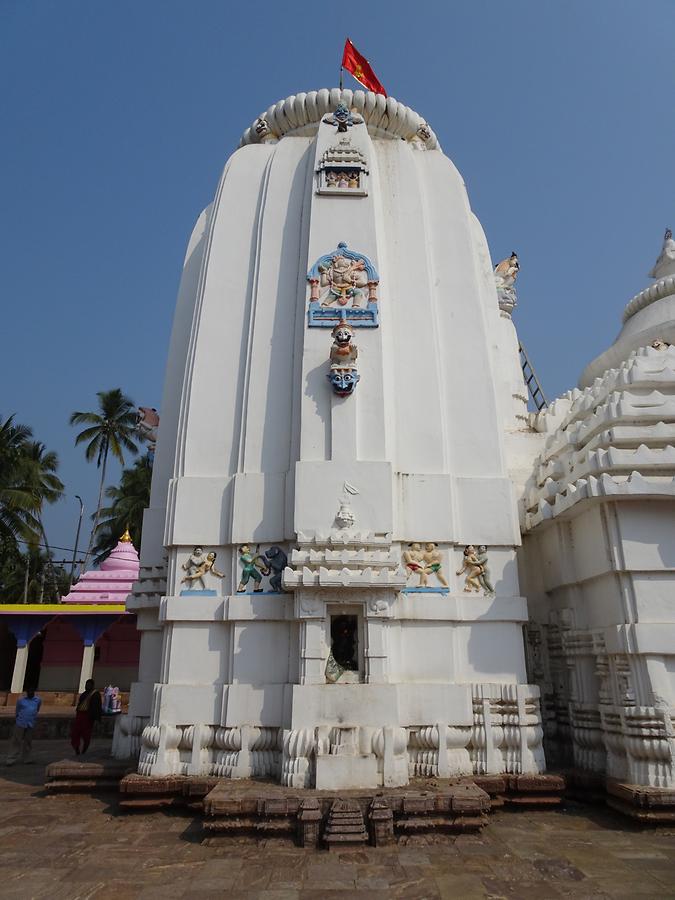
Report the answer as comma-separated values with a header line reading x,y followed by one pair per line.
x,y
112,582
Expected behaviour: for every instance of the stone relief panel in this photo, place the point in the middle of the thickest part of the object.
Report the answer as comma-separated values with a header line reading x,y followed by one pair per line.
x,y
476,571
200,573
423,563
256,564
343,288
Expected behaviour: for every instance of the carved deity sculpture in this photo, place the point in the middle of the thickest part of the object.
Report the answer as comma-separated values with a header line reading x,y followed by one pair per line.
x,y
665,264
147,423
343,118
506,273
345,279
343,284
198,566
343,354
254,567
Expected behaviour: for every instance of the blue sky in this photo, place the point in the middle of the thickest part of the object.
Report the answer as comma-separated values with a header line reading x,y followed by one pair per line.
x,y
117,118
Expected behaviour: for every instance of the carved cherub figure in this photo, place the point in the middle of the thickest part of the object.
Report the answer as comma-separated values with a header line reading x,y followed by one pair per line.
x,y
198,566
472,567
433,562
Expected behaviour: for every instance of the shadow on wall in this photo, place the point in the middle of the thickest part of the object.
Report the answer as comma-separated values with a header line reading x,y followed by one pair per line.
x,y
261,660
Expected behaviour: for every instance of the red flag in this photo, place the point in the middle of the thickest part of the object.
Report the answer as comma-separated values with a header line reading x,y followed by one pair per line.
x,y
360,68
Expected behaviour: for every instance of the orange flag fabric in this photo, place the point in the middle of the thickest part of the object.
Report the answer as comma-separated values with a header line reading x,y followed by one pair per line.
x,y
360,68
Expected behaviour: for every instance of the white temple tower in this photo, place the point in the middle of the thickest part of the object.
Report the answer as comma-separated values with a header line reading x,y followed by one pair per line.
x,y
371,474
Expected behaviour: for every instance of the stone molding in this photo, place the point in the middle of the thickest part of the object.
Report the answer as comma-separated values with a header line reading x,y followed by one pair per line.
x,y
300,114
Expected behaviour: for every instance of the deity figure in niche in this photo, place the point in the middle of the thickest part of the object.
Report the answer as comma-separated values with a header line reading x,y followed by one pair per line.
x,y
345,279
198,566
254,567
276,561
343,288
433,562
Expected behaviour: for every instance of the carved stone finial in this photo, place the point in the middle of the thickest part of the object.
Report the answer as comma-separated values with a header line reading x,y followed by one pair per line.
x,y
343,118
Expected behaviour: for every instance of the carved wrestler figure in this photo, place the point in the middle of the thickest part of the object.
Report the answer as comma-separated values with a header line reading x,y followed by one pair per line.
x,y
253,566
484,577
433,562
415,563
472,567
201,568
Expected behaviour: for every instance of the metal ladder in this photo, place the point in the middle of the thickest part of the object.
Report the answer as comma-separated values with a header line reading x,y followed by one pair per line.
x,y
531,380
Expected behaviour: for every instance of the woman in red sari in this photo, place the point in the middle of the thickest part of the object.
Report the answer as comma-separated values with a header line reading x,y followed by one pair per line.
x,y
87,711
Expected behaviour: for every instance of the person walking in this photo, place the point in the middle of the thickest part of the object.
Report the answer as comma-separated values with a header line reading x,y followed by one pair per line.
x,y
27,709
87,711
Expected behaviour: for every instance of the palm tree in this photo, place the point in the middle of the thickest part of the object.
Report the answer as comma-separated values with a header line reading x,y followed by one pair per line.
x,y
110,430
41,480
129,500
18,503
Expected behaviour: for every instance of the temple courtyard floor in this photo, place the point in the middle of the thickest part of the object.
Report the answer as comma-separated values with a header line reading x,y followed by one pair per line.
x,y
68,846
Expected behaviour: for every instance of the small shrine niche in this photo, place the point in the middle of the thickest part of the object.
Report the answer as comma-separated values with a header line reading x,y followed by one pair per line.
x,y
345,661
342,171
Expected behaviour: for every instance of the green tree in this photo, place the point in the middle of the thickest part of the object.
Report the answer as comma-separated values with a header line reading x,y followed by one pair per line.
x,y
46,487
28,480
31,575
111,430
18,504
129,500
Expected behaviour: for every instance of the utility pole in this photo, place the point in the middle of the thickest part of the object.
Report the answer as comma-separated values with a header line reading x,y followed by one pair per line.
x,y
25,581
77,538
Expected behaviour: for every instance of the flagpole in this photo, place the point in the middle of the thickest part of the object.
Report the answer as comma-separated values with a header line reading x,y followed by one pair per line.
x,y
341,70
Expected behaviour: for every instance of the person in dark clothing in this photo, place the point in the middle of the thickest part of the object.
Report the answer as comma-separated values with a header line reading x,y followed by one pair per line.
x,y
87,711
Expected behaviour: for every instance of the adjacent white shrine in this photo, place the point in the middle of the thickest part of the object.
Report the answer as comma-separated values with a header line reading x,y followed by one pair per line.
x,y
329,590
598,558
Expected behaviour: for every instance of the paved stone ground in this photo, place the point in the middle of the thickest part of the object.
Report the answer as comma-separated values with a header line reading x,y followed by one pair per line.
x,y
69,847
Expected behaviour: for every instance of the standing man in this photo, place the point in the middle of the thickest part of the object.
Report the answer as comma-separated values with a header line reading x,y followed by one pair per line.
x,y
27,709
87,711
